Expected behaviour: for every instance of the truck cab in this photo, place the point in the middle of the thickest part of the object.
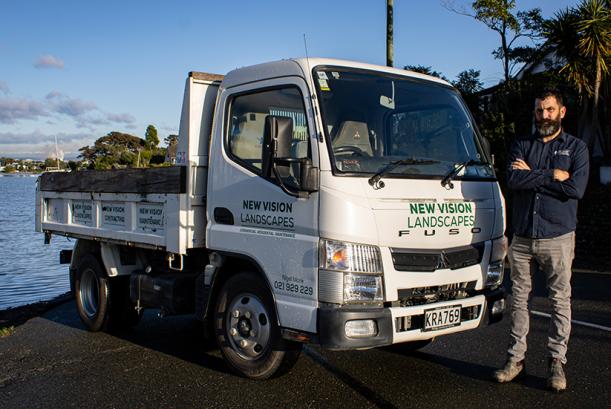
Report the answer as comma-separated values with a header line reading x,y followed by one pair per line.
x,y
366,196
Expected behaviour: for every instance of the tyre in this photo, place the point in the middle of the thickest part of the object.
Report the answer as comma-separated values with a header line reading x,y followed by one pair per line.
x,y
247,330
102,303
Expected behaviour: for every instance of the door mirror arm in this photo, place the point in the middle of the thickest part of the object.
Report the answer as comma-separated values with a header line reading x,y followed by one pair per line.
x,y
308,176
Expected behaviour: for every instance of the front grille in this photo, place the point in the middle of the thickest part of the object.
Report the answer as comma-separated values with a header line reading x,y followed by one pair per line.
x,y
427,295
425,260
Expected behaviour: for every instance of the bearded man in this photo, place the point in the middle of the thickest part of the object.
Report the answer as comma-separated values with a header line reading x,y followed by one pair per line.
x,y
547,175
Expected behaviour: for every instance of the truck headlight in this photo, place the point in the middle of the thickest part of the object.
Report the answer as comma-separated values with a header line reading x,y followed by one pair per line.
x,y
496,266
349,257
362,287
350,273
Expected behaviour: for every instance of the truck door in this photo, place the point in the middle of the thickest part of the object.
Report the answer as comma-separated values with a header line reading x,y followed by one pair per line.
x,y
253,216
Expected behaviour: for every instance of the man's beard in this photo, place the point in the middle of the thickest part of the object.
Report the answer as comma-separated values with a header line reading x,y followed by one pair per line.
x,y
548,127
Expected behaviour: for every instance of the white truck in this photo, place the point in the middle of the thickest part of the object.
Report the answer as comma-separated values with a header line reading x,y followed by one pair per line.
x,y
313,201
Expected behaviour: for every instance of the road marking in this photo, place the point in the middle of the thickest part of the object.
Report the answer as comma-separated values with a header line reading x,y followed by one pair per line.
x,y
350,381
585,324
583,271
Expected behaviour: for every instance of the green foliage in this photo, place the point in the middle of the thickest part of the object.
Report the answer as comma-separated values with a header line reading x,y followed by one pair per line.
x,y
9,169
467,82
496,127
496,14
581,36
6,331
422,69
170,140
54,163
73,165
499,16
114,149
151,138
158,158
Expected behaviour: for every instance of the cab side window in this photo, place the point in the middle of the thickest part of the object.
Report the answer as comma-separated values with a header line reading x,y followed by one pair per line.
x,y
247,123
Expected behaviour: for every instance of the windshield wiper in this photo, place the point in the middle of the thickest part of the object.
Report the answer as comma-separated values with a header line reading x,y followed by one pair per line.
x,y
447,179
375,179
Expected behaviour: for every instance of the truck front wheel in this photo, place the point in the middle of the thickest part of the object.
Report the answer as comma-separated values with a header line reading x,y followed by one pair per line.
x,y
247,332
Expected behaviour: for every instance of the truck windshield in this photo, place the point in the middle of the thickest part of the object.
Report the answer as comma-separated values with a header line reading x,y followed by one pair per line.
x,y
373,119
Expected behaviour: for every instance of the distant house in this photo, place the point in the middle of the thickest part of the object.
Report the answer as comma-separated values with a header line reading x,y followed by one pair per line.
x,y
546,61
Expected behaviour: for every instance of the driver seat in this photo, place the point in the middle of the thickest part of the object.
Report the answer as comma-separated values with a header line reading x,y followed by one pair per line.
x,y
353,133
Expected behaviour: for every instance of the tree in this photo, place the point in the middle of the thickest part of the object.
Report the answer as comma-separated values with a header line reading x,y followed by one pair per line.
x,y
498,16
581,37
73,165
114,148
54,163
468,83
422,69
151,138
170,140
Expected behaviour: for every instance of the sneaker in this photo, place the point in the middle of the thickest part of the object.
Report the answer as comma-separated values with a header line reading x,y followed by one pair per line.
x,y
556,379
510,371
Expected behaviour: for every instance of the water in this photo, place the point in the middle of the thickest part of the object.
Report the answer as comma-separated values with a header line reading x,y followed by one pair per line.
x,y
29,269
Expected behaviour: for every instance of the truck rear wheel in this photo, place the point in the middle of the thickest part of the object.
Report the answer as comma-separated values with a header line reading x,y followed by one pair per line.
x,y
102,303
247,332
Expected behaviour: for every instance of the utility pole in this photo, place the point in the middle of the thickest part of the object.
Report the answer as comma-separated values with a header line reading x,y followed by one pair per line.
x,y
389,40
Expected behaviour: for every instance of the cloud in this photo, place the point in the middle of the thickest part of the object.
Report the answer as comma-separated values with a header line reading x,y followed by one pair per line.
x,y
63,104
121,118
168,129
54,94
49,61
12,110
38,145
37,137
4,88
56,106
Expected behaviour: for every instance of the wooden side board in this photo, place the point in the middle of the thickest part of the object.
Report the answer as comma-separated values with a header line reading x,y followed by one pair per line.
x,y
171,179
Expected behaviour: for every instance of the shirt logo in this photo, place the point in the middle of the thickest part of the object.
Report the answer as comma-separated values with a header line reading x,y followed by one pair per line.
x,y
563,152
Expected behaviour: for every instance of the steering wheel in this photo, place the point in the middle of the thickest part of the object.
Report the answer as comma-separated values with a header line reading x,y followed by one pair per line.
x,y
354,150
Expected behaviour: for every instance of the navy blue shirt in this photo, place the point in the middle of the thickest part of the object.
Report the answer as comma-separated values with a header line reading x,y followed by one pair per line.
x,y
542,207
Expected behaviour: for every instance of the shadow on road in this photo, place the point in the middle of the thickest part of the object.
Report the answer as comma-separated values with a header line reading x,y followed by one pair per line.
x,y
471,370
179,336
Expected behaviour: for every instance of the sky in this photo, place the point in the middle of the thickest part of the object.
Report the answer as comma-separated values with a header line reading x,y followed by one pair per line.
x,y
77,70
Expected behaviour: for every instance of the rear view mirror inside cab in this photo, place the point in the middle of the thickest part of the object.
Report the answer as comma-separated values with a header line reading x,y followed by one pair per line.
x,y
388,102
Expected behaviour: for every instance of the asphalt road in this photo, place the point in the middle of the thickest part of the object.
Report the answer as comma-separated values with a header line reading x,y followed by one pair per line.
x,y
52,362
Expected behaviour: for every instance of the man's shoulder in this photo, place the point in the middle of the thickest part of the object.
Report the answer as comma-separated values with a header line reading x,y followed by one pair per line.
x,y
577,143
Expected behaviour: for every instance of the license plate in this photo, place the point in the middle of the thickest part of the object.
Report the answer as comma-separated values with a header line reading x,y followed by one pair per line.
x,y
442,317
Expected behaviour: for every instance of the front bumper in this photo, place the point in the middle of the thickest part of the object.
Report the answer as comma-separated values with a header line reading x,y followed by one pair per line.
x,y
402,324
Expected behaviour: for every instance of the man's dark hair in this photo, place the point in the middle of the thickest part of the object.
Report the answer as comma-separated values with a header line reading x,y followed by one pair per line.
x,y
550,92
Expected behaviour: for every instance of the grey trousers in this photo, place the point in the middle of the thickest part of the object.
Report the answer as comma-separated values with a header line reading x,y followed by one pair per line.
x,y
554,258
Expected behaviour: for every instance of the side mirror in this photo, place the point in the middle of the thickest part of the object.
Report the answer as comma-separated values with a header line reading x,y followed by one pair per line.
x,y
277,158
277,138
